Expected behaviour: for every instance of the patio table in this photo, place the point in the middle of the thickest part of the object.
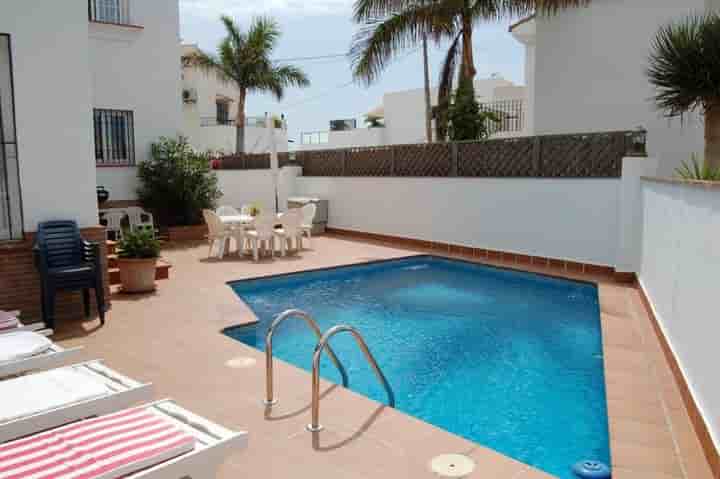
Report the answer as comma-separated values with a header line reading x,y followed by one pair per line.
x,y
237,220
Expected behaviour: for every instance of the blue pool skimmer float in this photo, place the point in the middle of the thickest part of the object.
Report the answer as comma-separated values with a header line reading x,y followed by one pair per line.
x,y
591,470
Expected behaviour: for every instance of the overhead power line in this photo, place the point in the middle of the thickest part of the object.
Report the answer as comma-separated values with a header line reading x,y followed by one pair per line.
x,y
318,57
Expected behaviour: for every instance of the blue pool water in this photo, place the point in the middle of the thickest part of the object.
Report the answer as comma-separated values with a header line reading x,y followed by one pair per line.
x,y
507,359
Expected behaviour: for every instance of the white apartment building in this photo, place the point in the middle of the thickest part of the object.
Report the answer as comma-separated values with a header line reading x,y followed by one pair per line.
x,y
210,110
86,86
585,72
403,117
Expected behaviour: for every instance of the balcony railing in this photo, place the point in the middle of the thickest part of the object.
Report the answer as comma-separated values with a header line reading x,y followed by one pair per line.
x,y
315,138
109,11
509,113
255,121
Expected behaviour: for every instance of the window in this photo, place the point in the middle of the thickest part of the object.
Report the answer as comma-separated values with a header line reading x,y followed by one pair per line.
x,y
109,11
223,112
10,203
114,137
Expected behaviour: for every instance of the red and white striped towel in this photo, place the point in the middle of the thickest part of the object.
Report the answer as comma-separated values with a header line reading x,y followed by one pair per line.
x,y
106,447
8,320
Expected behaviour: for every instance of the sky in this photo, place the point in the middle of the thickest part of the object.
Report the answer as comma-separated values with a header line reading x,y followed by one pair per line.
x,y
324,27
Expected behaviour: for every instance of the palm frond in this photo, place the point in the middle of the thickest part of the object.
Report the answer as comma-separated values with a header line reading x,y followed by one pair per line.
x,y
276,79
209,64
684,64
263,35
234,35
378,43
371,10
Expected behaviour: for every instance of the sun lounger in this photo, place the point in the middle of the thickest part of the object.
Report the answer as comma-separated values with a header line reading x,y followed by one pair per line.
x,y
47,399
155,441
23,351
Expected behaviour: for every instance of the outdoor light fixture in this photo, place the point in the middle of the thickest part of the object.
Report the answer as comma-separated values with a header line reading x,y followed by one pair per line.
x,y
638,140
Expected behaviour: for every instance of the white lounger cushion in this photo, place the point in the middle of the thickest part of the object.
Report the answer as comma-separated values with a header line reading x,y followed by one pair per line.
x,y
22,345
45,391
106,447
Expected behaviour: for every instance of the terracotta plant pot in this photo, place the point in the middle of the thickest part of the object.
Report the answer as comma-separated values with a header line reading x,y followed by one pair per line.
x,y
137,275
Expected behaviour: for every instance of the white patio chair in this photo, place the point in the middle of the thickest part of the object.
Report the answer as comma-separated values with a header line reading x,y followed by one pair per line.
x,y
308,216
166,442
218,233
289,230
48,399
114,220
227,211
262,234
24,351
141,220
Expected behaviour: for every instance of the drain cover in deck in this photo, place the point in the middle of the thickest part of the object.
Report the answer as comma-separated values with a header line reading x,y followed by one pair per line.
x,y
452,465
241,362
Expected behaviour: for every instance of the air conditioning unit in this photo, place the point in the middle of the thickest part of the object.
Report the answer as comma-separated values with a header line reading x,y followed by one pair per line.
x,y
190,95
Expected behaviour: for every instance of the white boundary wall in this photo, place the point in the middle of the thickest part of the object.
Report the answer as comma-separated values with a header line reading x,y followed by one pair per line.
x,y
571,219
679,271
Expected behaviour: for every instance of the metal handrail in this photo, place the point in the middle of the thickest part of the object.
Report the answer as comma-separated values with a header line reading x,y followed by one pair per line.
x,y
292,313
315,426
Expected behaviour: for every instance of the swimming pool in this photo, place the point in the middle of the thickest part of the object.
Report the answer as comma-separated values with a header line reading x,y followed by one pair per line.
x,y
507,359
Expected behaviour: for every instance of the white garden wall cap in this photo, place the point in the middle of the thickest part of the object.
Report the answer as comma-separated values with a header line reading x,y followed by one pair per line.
x,y
713,185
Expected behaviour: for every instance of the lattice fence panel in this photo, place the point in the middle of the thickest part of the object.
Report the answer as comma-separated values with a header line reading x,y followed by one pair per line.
x,y
512,157
284,159
371,161
431,159
321,162
245,162
597,155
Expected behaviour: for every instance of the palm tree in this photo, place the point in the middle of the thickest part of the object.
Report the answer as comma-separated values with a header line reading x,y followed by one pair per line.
x,y
395,25
685,70
243,60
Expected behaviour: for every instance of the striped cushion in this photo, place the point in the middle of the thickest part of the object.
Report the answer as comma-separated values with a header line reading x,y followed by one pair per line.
x,y
107,447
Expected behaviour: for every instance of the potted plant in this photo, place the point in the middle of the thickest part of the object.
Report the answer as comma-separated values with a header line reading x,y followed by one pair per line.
x,y
138,252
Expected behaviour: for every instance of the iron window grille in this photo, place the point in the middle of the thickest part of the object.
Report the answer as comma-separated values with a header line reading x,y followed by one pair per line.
x,y
10,198
114,137
109,11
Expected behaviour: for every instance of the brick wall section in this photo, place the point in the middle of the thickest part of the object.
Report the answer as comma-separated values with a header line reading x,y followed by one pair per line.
x,y
20,282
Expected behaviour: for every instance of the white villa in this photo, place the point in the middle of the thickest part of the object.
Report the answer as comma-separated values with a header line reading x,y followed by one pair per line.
x,y
403,117
585,72
209,112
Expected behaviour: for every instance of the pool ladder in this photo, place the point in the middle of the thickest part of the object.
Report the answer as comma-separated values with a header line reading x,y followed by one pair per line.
x,y
322,345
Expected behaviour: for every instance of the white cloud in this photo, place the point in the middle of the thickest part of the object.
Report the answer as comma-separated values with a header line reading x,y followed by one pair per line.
x,y
214,8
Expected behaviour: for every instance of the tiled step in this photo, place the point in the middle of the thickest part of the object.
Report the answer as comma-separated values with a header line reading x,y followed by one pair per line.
x,y
112,261
162,271
111,247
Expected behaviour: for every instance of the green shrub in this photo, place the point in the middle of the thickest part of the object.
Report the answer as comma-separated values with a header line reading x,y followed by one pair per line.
x,y
467,121
176,183
695,171
139,244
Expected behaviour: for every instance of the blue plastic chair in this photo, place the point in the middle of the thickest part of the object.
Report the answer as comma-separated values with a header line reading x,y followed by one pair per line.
x,y
66,262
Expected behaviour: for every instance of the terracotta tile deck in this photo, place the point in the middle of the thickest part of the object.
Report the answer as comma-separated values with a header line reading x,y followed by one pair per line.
x,y
172,338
